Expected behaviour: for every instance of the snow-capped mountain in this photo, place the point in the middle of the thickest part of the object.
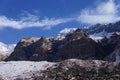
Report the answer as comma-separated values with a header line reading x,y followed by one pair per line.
x,y
100,31
64,32
101,35
6,50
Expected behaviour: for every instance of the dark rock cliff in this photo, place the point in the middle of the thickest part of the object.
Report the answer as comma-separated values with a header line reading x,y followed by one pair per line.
x,y
75,45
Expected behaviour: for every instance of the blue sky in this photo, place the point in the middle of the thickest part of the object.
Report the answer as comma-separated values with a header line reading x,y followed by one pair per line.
x,y
34,18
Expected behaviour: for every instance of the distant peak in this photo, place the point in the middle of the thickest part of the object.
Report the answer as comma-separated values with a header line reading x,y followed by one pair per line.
x,y
65,31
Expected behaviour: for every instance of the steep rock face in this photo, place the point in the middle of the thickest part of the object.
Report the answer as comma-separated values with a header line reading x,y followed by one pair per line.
x,y
114,56
78,34
21,51
111,47
79,45
41,49
75,45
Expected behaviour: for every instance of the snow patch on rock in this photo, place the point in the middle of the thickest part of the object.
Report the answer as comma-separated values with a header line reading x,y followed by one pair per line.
x,y
101,35
64,32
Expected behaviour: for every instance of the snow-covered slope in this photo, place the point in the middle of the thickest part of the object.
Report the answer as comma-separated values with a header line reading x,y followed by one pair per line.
x,y
101,35
99,31
22,69
6,50
64,32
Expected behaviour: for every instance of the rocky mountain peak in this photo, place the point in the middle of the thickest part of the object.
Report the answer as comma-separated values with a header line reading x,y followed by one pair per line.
x,y
30,40
77,34
43,39
75,44
44,43
27,41
62,34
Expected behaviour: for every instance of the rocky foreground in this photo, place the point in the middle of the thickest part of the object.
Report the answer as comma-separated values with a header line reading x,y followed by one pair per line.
x,y
72,69
81,70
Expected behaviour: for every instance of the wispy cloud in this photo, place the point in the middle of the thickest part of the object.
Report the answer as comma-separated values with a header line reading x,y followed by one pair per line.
x,y
105,12
31,21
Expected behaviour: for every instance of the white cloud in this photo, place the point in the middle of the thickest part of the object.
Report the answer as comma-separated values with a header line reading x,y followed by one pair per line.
x,y
31,21
105,12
